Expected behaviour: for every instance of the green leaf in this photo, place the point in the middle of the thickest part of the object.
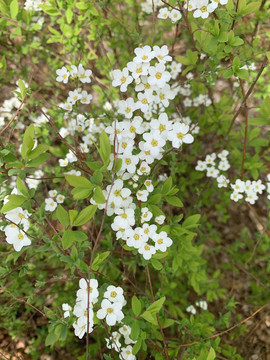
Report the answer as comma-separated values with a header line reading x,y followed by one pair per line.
x,y
85,215
137,347
236,64
22,88
99,258
191,221
81,193
135,330
41,159
62,215
167,186
69,14
28,141
50,339
211,355
242,74
21,187
98,196
174,200
14,8
154,199
14,201
156,264
72,215
156,306
37,151
70,236
78,181
251,7
105,148
136,305
150,317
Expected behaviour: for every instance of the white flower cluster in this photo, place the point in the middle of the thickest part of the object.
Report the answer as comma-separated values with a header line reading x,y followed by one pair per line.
x,y
41,119
151,83
15,231
6,109
51,205
212,169
33,183
174,15
249,189
201,304
78,94
114,343
34,5
203,7
147,5
111,310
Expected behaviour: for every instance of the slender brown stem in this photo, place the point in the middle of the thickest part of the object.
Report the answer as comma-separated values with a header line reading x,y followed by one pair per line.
x,y
246,131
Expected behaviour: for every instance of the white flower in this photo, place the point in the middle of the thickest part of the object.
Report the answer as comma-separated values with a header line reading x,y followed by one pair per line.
x,y
223,154
146,215
162,241
67,308
163,13
133,127
251,197
84,75
129,162
84,291
175,15
126,353
161,53
142,195
111,312
179,134
224,165
147,251
113,342
52,193
158,75
154,143
201,165
67,106
222,181
144,99
60,198
136,238
235,196
204,9
16,237
137,69
148,185
125,330
85,97
160,219
127,107
121,78
73,71
73,96
143,55
115,294
124,220
257,186
202,304
210,159
19,217
239,186
212,172
191,309
51,205
63,75
162,124
144,169
63,162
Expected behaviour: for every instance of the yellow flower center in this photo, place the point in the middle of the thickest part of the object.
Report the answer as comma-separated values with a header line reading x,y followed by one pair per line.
x,y
160,57
143,169
123,80
113,294
144,101
146,247
203,9
128,110
124,215
147,152
160,241
20,236
21,216
148,183
124,145
117,193
110,310
147,86
158,75
154,143
161,96
180,136
161,127
117,131
84,99
136,237
139,70
144,57
75,97
132,129
128,161
64,76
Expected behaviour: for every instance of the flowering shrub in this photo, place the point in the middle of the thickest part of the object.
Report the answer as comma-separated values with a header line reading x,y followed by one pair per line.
x,y
134,166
